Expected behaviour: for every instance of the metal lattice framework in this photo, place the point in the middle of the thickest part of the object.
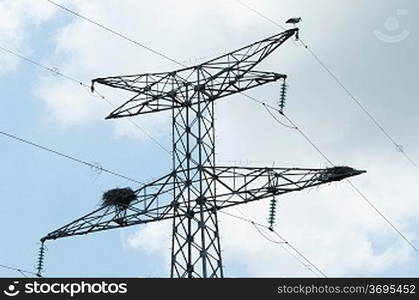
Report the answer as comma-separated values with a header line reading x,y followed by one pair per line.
x,y
197,188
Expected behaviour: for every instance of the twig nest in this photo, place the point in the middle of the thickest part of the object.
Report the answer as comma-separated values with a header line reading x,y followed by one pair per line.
x,y
119,197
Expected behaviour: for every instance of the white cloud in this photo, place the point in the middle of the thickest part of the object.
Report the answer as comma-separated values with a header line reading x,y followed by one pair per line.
x,y
153,238
332,225
70,104
17,20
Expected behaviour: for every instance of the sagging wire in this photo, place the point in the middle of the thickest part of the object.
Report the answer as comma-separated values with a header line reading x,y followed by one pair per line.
x,y
67,156
94,93
297,255
399,147
19,270
276,119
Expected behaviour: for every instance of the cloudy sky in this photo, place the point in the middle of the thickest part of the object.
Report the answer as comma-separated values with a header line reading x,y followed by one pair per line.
x,y
370,45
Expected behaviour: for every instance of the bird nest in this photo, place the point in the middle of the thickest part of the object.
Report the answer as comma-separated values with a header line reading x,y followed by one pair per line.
x,y
119,197
337,173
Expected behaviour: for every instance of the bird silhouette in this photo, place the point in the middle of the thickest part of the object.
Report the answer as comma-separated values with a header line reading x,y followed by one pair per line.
x,y
293,21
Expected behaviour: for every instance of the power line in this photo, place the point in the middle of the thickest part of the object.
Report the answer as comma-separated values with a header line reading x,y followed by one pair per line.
x,y
357,190
306,137
84,85
77,160
91,165
67,156
267,237
260,14
123,36
140,128
398,146
302,259
21,271
276,119
299,130
52,70
290,245
382,215
381,128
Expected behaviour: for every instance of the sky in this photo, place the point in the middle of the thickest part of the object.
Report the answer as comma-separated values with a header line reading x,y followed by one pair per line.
x,y
370,45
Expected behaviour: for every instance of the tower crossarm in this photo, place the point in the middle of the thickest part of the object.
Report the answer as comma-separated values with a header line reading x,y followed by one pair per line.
x,y
153,203
152,83
222,76
238,185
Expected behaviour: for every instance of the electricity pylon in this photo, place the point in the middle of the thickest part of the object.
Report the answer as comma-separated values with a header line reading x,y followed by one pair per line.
x,y
196,188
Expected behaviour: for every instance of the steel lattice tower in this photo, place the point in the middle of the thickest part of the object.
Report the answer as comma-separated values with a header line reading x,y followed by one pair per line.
x,y
196,188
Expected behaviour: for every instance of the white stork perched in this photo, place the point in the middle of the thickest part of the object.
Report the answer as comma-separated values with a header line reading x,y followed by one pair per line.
x,y
293,21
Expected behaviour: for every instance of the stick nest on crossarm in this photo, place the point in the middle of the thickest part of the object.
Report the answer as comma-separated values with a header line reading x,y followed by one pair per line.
x,y
119,197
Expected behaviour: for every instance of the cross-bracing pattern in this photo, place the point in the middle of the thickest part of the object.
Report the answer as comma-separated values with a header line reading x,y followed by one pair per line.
x,y
196,248
196,188
236,186
220,77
